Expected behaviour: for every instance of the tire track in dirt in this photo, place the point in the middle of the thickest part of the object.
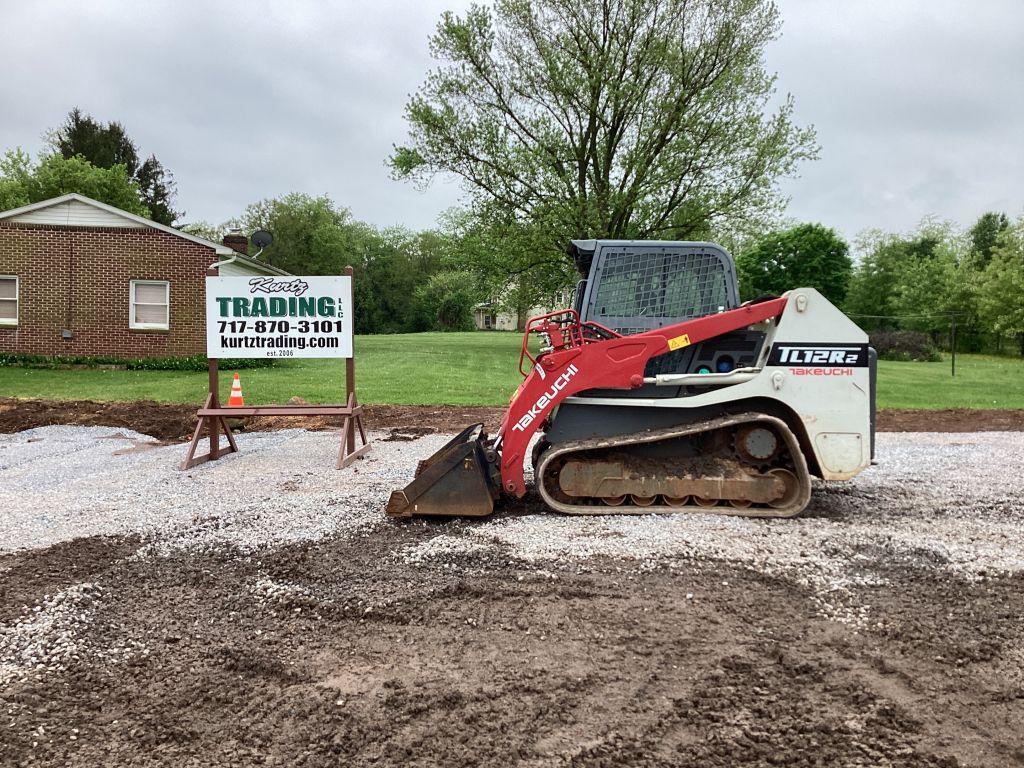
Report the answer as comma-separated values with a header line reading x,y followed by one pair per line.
x,y
339,652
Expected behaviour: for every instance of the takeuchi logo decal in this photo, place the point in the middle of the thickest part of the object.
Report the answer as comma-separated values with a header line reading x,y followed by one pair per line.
x,y
270,285
546,399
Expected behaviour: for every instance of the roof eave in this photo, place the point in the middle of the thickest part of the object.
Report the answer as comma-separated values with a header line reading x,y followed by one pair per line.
x,y
218,248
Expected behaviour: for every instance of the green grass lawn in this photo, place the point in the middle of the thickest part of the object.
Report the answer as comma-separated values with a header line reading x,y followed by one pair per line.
x,y
407,369
981,381
470,369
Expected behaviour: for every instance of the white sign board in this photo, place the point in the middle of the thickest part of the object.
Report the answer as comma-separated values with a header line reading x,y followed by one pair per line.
x,y
278,316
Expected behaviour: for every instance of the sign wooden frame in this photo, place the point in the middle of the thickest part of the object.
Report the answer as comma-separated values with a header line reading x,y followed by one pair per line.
x,y
213,416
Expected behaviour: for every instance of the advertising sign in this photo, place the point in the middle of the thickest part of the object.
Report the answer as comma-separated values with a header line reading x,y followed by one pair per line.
x,y
278,316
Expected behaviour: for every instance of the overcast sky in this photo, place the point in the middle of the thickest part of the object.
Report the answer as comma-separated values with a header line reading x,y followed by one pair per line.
x,y
918,103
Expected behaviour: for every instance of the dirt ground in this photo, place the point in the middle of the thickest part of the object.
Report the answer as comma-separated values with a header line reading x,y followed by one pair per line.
x,y
375,662
172,422
347,651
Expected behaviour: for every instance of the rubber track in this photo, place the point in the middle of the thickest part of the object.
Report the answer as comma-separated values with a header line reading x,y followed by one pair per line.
x,y
653,436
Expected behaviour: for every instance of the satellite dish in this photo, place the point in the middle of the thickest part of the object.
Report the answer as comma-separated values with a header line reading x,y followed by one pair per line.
x,y
261,238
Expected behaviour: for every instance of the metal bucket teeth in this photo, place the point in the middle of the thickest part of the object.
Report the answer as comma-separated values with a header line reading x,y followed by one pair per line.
x,y
455,481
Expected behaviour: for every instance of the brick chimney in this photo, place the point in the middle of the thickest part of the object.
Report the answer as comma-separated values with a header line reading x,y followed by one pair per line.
x,y
236,241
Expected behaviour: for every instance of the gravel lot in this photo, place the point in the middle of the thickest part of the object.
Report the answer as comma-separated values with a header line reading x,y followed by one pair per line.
x,y
261,609
69,482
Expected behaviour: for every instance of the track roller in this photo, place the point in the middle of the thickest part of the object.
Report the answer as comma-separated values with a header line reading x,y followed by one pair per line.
x,y
792,488
748,464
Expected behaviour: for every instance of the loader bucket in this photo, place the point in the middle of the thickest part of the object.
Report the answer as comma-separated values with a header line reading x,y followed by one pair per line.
x,y
454,481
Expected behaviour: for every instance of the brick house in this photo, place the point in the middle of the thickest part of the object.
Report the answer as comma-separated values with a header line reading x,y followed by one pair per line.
x,y
82,278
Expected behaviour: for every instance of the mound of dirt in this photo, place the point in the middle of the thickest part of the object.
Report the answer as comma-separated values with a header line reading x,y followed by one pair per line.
x,y
174,422
950,420
266,612
164,421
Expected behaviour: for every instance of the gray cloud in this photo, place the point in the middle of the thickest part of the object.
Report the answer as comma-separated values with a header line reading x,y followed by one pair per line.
x,y
917,106
917,103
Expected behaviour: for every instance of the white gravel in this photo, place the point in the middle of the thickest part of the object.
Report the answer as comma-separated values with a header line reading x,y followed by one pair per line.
x,y
63,482
50,636
949,502
946,501
949,499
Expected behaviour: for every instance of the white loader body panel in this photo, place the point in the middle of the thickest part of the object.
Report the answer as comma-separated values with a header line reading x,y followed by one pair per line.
x,y
815,362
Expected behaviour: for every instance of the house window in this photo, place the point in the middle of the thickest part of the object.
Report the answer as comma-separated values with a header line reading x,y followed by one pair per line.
x,y
8,300
149,305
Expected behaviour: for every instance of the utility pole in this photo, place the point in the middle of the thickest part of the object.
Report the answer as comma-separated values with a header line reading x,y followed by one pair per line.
x,y
952,344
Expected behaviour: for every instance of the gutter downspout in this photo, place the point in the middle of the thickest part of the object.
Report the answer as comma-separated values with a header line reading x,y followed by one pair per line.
x,y
220,264
231,259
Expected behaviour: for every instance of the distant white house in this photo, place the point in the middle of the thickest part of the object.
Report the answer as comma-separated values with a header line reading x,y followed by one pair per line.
x,y
488,315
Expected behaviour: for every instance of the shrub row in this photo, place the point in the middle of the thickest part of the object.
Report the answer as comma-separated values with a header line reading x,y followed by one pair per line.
x,y
191,363
905,346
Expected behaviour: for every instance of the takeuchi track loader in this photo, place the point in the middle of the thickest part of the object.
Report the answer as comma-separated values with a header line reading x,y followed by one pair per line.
x,y
660,392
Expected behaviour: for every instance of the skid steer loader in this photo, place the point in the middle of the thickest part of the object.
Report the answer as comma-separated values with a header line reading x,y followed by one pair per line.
x,y
658,391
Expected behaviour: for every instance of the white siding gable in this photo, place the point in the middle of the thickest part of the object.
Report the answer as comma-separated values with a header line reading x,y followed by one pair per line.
x,y
74,213
73,210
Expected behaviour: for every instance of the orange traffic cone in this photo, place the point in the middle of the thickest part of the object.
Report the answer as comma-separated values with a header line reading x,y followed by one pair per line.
x,y
235,400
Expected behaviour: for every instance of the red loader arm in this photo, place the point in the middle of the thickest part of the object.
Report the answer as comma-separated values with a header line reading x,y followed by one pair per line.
x,y
579,361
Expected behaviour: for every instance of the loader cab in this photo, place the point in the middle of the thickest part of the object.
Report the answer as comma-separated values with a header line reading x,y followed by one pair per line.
x,y
632,286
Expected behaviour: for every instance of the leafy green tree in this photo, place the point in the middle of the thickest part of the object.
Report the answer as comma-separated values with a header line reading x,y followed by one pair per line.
x,y
985,234
930,292
806,255
107,145
395,263
871,295
212,232
621,119
510,260
919,282
158,190
312,235
102,145
16,170
448,299
23,181
1001,287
